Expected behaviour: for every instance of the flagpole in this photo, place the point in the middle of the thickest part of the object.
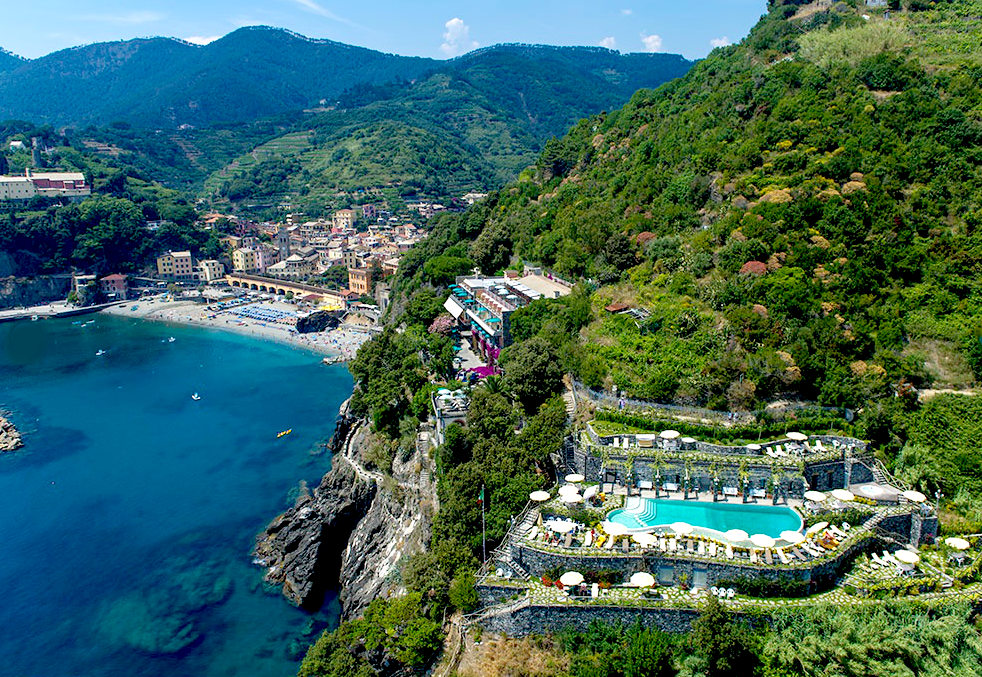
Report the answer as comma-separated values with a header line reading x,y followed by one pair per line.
x,y
484,533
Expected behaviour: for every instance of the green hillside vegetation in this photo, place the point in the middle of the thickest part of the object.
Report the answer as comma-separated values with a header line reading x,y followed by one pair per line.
x,y
793,230
103,234
164,83
470,126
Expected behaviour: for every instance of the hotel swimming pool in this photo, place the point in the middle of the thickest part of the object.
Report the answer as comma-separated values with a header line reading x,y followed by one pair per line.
x,y
709,519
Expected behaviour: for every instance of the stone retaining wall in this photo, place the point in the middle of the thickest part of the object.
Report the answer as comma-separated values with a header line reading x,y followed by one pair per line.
x,y
541,619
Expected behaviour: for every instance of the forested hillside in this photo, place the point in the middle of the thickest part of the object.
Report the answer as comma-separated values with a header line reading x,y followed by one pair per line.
x,y
798,224
161,82
798,217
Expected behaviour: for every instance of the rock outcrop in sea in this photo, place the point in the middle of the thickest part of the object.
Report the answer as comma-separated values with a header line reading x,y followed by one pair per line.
x,y
353,530
10,439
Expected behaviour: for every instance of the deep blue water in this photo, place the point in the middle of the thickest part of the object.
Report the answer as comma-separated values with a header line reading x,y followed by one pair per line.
x,y
127,521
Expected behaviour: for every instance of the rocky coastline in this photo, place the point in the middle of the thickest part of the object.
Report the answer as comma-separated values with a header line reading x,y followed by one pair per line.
x,y
10,439
353,530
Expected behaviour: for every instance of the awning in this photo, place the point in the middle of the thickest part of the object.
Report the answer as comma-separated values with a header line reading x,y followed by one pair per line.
x,y
453,308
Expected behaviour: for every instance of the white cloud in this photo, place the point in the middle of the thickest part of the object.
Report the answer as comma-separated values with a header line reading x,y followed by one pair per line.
x,y
457,38
608,42
201,39
720,42
652,43
143,17
627,12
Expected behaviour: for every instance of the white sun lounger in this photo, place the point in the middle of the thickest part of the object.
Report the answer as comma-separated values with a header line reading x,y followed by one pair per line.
x,y
702,548
533,533
609,545
784,558
753,556
729,551
588,539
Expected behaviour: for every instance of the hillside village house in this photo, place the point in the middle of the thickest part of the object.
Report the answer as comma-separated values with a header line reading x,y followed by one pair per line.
x,y
210,270
114,287
360,280
176,266
71,185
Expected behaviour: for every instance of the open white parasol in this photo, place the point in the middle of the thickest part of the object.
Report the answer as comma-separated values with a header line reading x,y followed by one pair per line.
x,y
815,496
571,498
792,537
614,528
815,528
681,528
560,526
957,543
762,541
591,491
574,477
907,557
736,535
797,437
569,489
571,578
539,496
670,434
645,540
842,495
642,579
915,496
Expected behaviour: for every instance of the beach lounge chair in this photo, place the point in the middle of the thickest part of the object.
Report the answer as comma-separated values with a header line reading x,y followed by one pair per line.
x,y
601,539
609,545
714,591
689,547
625,545
800,555
594,591
846,526
835,530
670,486
730,593
588,539
569,540
672,544
753,556
713,549
783,557
729,551
702,548
661,543
533,533
818,445
768,557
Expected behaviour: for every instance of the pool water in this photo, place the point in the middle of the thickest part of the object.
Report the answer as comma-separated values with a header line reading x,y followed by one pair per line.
x,y
644,514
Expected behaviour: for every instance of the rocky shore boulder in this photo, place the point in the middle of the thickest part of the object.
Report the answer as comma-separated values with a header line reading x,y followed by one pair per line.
x,y
302,548
320,320
10,439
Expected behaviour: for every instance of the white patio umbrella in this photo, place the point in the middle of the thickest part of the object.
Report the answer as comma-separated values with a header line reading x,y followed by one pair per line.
x,y
688,440
571,578
907,557
753,447
915,496
815,496
815,528
539,496
645,540
670,434
797,437
575,477
681,528
591,491
792,537
560,526
762,541
957,543
842,495
736,535
642,579
872,490
614,528
569,489
571,498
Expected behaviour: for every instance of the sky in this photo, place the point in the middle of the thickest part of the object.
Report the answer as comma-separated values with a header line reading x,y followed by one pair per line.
x,y
431,28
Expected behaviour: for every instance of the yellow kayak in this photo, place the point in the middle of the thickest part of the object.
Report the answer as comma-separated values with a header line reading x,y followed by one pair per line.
x,y
285,432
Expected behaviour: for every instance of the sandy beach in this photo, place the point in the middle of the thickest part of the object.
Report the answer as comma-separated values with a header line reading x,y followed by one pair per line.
x,y
338,342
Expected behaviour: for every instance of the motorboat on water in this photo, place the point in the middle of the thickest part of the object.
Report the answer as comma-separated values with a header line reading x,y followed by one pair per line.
x,y
195,397
100,352
284,433
171,339
34,318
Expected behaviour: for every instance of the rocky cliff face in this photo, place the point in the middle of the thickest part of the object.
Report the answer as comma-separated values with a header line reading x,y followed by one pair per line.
x,y
354,529
23,291
302,547
396,525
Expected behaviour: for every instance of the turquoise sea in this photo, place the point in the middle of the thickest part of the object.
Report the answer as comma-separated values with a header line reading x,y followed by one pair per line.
x,y
126,523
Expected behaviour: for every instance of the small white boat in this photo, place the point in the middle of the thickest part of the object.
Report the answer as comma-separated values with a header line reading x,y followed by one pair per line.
x,y
100,352
196,397
34,318
171,339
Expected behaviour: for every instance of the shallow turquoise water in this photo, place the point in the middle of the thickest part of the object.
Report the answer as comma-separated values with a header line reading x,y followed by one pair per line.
x,y
752,518
127,521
